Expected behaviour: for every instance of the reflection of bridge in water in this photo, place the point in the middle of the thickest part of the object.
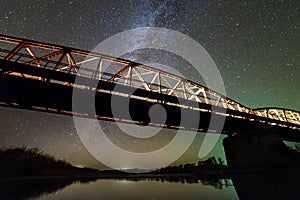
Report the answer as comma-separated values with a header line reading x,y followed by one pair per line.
x,y
40,76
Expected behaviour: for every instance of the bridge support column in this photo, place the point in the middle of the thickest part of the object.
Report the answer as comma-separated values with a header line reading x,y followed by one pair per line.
x,y
256,148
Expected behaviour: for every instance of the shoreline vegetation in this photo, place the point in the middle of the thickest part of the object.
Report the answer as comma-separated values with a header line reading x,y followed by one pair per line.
x,y
22,163
30,163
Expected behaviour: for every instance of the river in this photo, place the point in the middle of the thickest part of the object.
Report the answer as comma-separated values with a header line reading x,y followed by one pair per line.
x,y
146,189
243,187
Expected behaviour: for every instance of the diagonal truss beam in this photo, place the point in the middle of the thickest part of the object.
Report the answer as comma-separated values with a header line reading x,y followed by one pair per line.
x,y
119,73
141,78
45,57
15,50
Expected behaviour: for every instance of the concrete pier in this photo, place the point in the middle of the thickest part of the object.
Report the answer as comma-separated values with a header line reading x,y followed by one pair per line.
x,y
260,147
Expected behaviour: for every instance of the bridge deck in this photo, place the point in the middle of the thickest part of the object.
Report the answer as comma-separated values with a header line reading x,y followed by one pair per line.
x,y
42,77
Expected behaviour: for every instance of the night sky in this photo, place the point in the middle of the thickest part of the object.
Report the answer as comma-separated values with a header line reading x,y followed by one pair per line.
x,y
255,45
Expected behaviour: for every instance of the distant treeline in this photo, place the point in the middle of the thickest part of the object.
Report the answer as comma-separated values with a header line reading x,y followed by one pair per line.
x,y
23,161
212,164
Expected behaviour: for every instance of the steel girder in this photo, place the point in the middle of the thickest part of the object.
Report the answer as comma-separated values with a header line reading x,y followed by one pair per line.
x,y
124,72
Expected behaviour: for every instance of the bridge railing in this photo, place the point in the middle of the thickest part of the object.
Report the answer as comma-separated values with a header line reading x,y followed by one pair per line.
x,y
281,114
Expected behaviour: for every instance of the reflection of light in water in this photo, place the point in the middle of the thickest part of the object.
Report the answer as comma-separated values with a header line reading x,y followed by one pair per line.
x,y
79,166
124,181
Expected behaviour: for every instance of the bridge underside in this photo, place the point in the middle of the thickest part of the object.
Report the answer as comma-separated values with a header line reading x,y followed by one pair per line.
x,y
33,94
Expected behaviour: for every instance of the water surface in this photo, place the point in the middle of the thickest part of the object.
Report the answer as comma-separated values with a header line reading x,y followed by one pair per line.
x,y
146,189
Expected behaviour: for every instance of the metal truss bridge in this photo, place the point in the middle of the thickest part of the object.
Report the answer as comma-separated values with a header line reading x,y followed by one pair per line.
x,y
40,76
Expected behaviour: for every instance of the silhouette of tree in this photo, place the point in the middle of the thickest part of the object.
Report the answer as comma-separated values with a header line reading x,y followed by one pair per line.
x,y
21,161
